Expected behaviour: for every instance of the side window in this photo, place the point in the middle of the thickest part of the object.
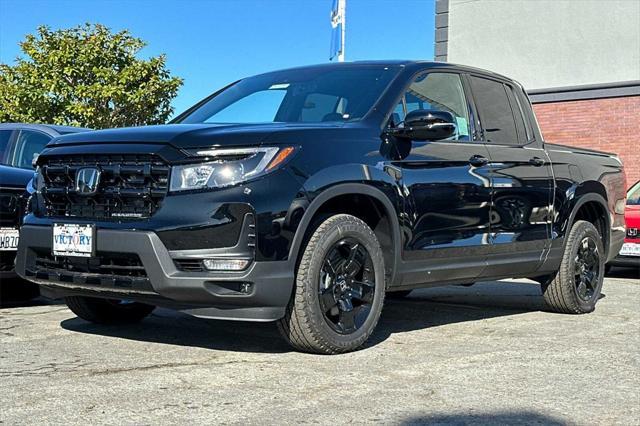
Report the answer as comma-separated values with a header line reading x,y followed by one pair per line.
x,y
437,91
517,115
320,107
495,112
28,146
5,137
530,120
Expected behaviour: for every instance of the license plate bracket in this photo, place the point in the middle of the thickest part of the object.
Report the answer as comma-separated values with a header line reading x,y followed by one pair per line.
x,y
74,240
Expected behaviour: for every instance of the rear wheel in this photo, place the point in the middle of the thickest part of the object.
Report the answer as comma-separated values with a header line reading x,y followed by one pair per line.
x,y
575,288
108,311
340,288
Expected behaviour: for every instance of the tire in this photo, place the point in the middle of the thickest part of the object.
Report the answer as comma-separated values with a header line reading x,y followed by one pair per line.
x,y
575,289
341,267
398,294
108,311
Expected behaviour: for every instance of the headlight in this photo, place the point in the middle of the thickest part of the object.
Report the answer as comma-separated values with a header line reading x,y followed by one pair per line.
x,y
227,167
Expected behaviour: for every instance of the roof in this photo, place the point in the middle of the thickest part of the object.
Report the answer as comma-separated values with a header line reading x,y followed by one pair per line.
x,y
47,128
399,62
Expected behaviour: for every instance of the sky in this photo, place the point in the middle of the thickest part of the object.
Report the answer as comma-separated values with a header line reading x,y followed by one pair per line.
x,y
210,43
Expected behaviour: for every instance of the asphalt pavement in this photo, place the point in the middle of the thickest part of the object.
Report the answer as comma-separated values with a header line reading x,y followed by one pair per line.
x,y
487,354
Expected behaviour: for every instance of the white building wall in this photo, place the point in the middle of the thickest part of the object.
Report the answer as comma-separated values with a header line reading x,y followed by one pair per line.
x,y
543,43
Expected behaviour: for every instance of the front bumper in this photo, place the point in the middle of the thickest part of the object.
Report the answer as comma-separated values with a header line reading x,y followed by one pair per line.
x,y
259,293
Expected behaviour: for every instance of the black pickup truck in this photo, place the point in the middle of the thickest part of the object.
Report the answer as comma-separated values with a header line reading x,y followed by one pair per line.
x,y
303,196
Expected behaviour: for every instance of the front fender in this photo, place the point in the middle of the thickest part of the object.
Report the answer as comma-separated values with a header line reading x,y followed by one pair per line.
x,y
360,179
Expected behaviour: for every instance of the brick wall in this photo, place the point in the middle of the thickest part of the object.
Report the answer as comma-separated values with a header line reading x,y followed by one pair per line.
x,y
611,125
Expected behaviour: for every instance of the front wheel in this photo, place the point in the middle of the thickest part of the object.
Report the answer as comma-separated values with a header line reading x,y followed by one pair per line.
x,y
340,288
108,311
575,288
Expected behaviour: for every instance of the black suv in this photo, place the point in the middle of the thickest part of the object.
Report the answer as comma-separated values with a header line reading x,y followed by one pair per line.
x,y
303,196
20,144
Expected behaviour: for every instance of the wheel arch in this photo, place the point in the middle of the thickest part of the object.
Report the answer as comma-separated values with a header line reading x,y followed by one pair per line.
x,y
391,248
592,207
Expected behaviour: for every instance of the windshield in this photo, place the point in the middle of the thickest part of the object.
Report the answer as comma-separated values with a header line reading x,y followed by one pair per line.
x,y
24,150
633,196
297,96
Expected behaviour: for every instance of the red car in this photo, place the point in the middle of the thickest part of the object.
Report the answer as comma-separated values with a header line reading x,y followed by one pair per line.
x,y
630,253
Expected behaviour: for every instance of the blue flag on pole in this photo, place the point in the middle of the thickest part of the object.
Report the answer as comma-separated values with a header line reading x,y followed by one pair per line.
x,y
337,20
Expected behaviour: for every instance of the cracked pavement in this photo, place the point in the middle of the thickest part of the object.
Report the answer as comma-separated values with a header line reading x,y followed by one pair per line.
x,y
478,355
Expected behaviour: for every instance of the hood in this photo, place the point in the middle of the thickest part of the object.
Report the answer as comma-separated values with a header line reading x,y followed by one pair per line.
x,y
13,177
188,135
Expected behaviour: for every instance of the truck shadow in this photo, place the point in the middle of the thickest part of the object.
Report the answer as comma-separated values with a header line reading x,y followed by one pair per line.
x,y
625,273
441,306
425,308
525,417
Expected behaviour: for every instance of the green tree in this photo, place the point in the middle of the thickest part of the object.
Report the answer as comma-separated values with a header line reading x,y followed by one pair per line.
x,y
86,76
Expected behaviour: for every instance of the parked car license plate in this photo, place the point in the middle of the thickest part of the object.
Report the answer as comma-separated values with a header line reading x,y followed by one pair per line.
x,y
73,240
9,239
630,249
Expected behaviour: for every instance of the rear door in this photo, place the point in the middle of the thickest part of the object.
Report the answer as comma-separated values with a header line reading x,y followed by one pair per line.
x,y
521,179
446,188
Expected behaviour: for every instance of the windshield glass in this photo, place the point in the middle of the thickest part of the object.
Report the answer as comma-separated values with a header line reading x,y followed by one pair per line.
x,y
633,196
24,150
297,96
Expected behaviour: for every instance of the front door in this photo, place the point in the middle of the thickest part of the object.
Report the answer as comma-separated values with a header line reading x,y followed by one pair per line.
x,y
447,189
521,178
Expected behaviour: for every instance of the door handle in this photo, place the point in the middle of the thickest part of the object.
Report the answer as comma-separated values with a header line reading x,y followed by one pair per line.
x,y
478,160
537,161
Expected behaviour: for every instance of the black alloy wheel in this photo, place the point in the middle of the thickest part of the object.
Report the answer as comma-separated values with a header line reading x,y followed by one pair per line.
x,y
575,288
347,286
339,289
587,268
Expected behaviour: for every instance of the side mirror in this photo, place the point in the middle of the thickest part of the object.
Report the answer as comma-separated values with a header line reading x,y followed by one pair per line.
x,y
427,125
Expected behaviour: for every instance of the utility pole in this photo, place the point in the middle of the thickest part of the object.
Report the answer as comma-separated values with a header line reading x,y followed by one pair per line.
x,y
338,21
342,6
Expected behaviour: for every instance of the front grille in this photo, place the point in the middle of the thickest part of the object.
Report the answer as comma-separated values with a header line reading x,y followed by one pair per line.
x,y
113,264
130,186
11,207
106,270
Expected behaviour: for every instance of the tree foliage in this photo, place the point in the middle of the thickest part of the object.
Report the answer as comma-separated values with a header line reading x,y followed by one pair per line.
x,y
86,76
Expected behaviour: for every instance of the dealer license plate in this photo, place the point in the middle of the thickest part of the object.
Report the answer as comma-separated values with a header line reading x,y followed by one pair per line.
x,y
630,249
9,239
73,240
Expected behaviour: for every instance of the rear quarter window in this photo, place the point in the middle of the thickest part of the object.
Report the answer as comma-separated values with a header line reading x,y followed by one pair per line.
x,y
495,111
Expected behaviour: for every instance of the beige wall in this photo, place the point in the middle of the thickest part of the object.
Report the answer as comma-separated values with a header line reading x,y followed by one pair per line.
x,y
547,43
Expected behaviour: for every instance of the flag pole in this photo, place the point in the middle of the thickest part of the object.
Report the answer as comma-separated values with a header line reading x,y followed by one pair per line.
x,y
342,7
